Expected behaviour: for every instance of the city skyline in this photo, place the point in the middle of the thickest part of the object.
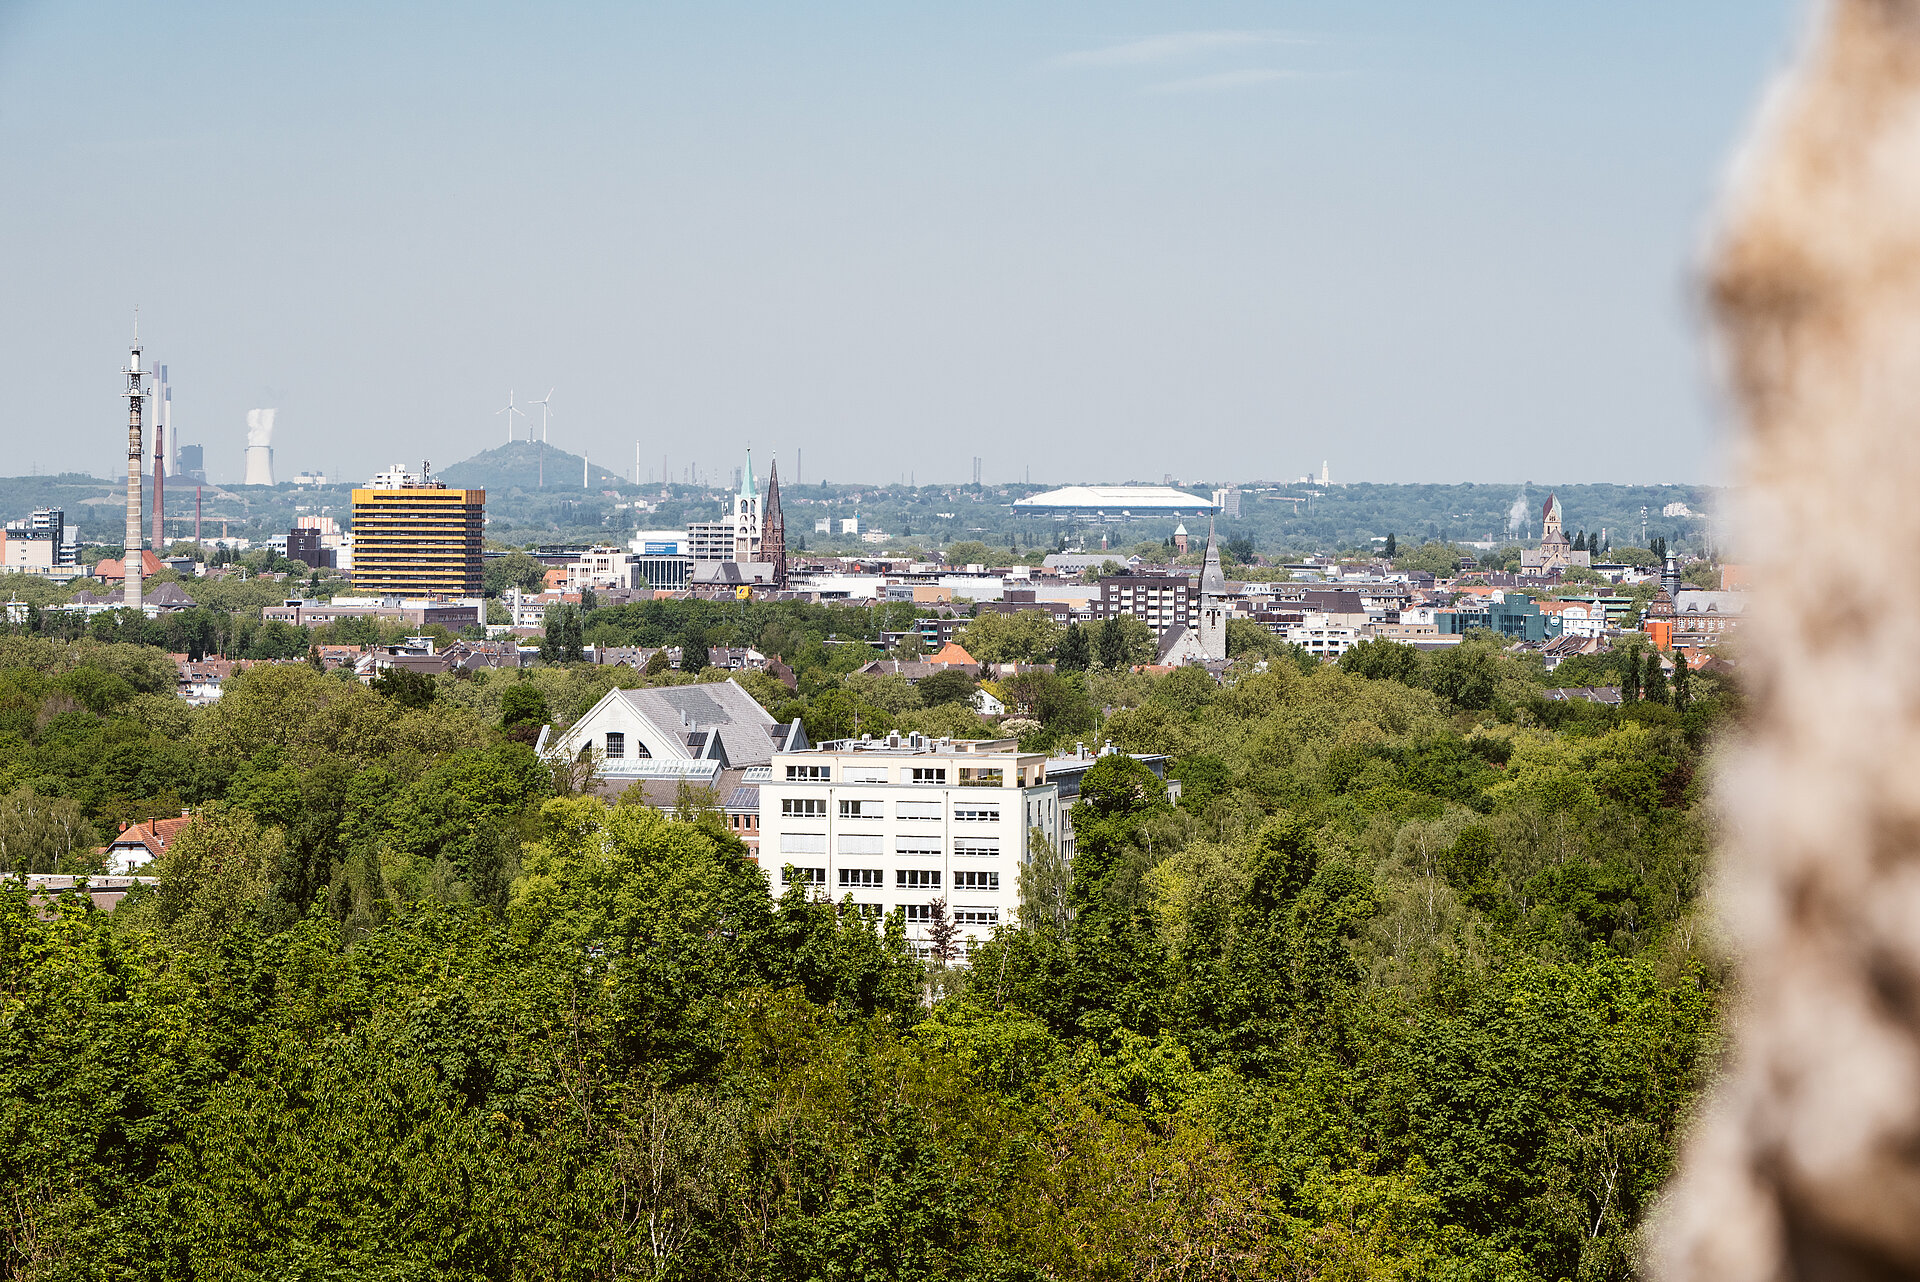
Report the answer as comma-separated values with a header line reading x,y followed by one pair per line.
x,y
1230,240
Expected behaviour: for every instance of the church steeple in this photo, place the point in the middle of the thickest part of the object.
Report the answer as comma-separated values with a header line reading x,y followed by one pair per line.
x,y
746,478
773,527
1213,580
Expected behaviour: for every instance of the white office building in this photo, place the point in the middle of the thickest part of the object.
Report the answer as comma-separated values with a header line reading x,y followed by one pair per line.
x,y
903,821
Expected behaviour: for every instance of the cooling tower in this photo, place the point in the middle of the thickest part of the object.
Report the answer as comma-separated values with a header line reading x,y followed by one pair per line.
x,y
260,447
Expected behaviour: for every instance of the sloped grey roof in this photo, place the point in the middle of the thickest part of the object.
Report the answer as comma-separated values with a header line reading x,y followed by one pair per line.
x,y
719,707
169,595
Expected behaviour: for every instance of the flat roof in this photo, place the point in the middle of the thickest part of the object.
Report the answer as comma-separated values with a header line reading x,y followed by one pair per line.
x,y
1125,498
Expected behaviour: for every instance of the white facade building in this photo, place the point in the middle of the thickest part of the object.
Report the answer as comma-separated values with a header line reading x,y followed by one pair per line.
x,y
1324,642
675,732
603,567
903,821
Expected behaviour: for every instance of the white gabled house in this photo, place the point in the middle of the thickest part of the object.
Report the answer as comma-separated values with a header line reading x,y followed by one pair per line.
x,y
690,732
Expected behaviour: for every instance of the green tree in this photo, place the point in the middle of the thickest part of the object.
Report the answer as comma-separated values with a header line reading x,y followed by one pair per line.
x,y
949,686
1075,652
1392,549
44,834
1383,660
1654,683
515,569
404,686
522,703
1024,636
969,552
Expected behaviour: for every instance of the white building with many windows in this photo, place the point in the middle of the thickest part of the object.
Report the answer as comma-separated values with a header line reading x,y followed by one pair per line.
x,y
903,821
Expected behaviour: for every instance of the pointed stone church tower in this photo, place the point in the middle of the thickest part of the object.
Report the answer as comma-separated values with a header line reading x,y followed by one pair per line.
x,y
773,528
1213,603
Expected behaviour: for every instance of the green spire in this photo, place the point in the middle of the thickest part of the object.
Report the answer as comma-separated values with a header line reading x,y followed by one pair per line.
x,y
746,479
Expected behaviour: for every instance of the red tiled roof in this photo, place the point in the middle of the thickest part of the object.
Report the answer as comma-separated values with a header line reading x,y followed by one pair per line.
x,y
951,652
154,835
111,570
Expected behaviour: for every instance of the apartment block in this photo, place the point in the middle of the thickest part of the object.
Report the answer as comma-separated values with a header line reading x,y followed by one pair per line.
x,y
902,821
1162,602
420,539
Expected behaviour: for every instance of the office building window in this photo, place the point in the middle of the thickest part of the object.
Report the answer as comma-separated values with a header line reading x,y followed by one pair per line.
x,y
929,774
917,810
803,773
917,846
976,916
616,745
863,877
918,912
864,774
792,876
967,879
974,814
862,810
804,807
976,847
917,878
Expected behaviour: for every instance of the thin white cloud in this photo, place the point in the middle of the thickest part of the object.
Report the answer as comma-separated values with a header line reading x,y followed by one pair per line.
x,y
1174,46
1224,81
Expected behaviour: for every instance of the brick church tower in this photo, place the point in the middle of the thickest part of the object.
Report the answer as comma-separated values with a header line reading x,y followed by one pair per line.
x,y
773,528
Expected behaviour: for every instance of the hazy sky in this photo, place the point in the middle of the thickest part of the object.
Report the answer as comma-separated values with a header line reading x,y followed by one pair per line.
x,y
1098,241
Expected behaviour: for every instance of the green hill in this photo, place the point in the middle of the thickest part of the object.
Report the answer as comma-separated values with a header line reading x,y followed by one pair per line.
x,y
520,465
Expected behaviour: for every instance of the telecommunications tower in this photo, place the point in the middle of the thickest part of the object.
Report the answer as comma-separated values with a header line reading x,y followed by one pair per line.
x,y
136,395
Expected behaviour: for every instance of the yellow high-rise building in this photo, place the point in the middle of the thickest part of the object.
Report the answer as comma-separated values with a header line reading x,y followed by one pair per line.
x,y
417,538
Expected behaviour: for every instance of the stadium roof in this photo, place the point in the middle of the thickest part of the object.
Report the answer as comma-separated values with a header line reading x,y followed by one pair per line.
x,y
1115,498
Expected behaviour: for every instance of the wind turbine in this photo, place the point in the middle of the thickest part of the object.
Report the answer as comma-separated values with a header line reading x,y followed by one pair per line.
x,y
510,410
542,403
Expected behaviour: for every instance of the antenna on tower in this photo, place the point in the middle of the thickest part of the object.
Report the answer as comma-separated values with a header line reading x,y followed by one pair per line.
x,y
510,410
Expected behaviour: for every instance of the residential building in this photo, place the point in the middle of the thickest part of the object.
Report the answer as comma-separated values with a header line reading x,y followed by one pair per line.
x,y
1161,601
675,733
603,567
41,543
903,821
1325,641
413,536
1702,618
305,544
140,844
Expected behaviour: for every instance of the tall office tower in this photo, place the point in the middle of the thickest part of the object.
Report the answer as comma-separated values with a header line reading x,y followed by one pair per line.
x,y
136,395
413,536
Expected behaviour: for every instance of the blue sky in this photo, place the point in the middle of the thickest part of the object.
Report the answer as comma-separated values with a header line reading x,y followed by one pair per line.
x,y
1089,241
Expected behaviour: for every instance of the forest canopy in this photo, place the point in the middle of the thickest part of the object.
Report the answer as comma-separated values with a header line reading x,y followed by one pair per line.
x,y
1405,979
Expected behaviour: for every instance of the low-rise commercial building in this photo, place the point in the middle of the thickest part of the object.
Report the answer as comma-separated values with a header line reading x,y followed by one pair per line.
x,y
416,612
